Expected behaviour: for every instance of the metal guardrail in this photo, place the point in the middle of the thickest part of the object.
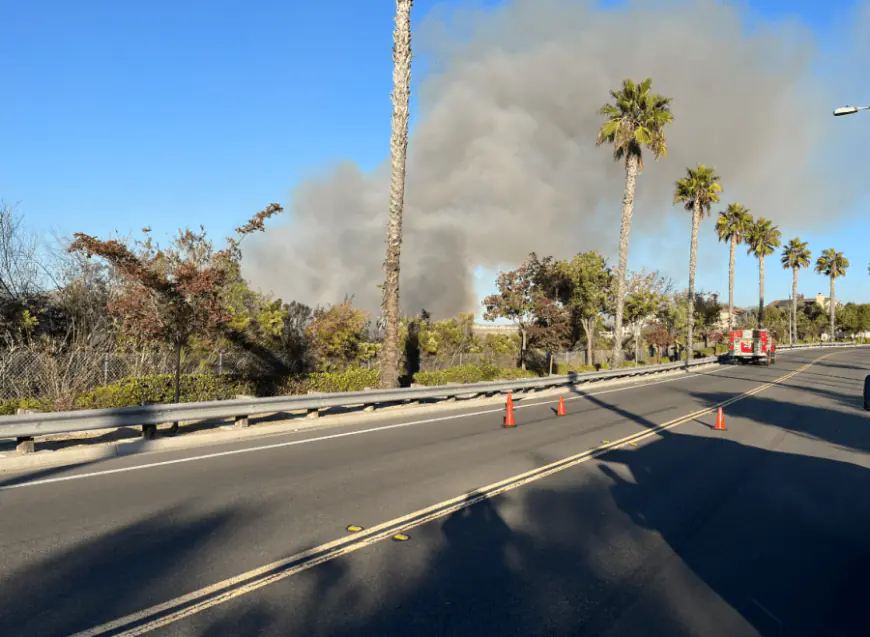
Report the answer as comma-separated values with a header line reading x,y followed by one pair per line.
x,y
812,345
25,426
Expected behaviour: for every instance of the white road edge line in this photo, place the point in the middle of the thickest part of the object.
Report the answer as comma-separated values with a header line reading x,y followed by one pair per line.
x,y
292,443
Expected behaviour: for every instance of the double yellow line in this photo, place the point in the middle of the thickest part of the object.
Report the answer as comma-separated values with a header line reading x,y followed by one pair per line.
x,y
179,608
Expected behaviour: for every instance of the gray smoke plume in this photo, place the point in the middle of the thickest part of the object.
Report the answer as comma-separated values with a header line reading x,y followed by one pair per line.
x,y
503,161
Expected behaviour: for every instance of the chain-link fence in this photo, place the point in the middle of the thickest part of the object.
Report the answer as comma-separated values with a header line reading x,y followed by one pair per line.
x,y
60,378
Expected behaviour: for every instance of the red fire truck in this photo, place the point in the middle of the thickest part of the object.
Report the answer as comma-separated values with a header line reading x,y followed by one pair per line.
x,y
752,346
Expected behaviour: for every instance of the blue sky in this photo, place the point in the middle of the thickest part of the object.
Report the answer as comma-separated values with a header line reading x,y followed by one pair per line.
x,y
166,113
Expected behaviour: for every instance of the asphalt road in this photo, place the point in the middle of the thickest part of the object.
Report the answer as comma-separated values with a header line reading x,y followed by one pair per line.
x,y
760,530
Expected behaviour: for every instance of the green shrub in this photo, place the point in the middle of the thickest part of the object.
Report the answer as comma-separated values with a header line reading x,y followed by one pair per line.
x,y
465,374
160,388
354,379
11,406
562,369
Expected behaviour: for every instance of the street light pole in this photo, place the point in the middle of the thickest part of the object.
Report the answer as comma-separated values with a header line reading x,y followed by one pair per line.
x,y
849,110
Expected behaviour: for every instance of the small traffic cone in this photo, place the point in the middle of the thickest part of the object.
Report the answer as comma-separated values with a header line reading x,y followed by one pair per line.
x,y
509,412
720,421
561,410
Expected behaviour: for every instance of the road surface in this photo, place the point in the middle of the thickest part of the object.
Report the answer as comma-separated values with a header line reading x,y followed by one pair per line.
x,y
645,521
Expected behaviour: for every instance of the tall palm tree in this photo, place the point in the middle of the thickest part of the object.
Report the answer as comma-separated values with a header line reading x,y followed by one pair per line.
x,y
763,239
832,264
636,119
795,256
697,191
731,226
398,151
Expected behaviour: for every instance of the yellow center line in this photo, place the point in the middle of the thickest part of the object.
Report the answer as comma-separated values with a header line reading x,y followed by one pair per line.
x,y
200,600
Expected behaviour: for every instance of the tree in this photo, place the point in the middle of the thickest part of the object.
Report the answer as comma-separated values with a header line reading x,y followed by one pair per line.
x,y
864,318
762,238
660,338
795,256
776,321
849,318
707,310
583,285
169,296
518,299
731,227
293,338
833,265
644,293
337,333
697,191
398,151
636,119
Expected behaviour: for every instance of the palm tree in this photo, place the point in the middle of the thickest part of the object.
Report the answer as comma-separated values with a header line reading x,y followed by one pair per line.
x,y
795,256
763,238
636,119
832,264
731,226
697,191
398,152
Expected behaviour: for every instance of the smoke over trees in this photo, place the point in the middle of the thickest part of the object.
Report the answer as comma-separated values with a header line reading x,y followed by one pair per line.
x,y
502,157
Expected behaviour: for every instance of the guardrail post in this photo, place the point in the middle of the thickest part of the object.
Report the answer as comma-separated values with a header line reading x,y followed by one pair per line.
x,y
25,444
368,407
411,402
313,413
149,432
241,422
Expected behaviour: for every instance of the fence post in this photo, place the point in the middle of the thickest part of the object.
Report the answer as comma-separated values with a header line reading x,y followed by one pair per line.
x,y
106,369
220,363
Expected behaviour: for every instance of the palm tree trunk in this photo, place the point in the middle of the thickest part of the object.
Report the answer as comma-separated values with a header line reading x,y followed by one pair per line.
x,y
637,342
693,260
398,152
794,286
523,347
177,372
760,292
832,305
627,209
588,327
731,283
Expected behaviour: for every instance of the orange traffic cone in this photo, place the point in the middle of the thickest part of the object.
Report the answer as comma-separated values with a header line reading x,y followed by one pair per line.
x,y
509,412
720,421
561,410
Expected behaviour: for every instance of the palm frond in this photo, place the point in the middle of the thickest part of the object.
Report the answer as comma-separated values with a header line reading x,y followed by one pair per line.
x,y
796,255
635,120
733,223
762,238
700,186
832,264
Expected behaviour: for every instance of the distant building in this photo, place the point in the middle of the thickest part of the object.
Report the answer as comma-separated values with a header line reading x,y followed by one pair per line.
x,y
722,323
803,303
480,329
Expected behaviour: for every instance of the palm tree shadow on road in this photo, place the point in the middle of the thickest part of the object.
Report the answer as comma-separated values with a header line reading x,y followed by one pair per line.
x,y
685,535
